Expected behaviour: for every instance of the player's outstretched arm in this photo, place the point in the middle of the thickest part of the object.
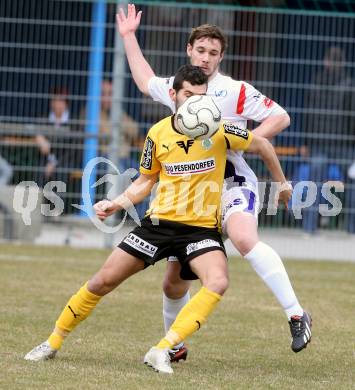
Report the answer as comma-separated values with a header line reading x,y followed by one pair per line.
x,y
272,125
135,193
140,68
267,152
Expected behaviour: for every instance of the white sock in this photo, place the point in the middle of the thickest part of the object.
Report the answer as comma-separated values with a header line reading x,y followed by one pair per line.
x,y
268,265
171,308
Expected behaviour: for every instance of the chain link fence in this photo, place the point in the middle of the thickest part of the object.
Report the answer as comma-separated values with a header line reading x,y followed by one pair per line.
x,y
302,59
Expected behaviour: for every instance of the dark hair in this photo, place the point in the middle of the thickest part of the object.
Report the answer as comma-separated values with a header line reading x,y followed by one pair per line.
x,y
208,31
59,93
193,74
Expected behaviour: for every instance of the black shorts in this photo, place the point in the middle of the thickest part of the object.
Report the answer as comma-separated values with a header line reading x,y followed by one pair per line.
x,y
151,243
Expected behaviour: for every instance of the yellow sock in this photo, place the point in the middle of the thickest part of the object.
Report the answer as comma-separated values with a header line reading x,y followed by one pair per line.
x,y
76,310
57,337
191,317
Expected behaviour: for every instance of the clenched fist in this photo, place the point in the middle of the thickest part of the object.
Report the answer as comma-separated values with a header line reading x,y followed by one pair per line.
x,y
105,208
284,194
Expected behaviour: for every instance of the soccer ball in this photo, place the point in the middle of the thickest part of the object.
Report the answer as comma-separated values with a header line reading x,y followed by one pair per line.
x,y
198,117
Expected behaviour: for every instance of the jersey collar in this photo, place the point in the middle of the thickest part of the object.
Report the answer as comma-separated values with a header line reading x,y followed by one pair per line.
x,y
215,79
173,124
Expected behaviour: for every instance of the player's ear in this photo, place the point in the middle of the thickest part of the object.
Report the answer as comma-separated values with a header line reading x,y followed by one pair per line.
x,y
221,57
189,49
172,94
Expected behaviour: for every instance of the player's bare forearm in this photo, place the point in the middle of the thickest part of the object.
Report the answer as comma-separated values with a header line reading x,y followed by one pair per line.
x,y
136,192
266,151
272,126
273,164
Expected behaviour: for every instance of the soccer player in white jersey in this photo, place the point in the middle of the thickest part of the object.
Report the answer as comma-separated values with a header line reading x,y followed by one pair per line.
x,y
238,102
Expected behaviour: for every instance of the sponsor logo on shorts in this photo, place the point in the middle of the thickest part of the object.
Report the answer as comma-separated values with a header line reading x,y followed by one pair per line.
x,y
140,245
195,246
147,157
226,208
192,167
231,128
245,201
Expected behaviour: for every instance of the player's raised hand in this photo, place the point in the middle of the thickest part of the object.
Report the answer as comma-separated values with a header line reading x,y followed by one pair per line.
x,y
128,24
284,194
105,208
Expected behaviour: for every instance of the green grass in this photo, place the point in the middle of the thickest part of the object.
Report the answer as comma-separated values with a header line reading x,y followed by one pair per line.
x,y
244,345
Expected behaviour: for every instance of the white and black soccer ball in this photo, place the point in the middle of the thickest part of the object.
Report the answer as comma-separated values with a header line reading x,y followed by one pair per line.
x,y
198,117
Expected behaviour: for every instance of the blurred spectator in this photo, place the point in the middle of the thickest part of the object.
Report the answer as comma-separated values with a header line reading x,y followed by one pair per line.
x,y
328,149
129,130
130,141
5,171
105,117
60,150
54,142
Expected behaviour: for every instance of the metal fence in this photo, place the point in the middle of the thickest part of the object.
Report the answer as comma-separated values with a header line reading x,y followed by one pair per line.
x,y
50,61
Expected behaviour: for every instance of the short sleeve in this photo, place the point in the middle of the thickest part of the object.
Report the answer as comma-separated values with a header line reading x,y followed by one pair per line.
x,y
236,138
253,105
149,162
158,88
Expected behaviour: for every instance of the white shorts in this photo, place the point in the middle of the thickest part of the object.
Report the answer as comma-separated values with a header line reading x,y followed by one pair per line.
x,y
239,199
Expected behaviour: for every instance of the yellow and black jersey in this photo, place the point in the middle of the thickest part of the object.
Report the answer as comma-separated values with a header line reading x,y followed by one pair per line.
x,y
191,172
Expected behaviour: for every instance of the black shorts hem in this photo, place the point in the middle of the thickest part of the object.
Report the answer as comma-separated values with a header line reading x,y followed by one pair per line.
x,y
186,272
134,253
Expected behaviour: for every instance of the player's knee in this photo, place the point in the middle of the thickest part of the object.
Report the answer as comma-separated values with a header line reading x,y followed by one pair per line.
x,y
101,284
218,284
174,288
243,242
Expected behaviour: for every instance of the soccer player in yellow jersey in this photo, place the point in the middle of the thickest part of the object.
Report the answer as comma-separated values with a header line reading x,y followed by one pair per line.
x,y
238,102
183,220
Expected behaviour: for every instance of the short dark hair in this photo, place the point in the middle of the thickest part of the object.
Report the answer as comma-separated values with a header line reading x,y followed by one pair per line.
x,y
208,31
191,73
59,93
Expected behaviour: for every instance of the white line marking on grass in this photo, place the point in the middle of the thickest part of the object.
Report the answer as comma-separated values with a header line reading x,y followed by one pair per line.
x,y
11,257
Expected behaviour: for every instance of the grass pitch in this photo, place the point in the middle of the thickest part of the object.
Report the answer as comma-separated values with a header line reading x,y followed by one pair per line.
x,y
244,345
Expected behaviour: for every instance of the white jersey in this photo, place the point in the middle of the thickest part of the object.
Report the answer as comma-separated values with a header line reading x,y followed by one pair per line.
x,y
238,102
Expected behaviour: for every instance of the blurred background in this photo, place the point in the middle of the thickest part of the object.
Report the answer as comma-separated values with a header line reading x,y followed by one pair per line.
x,y
66,96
